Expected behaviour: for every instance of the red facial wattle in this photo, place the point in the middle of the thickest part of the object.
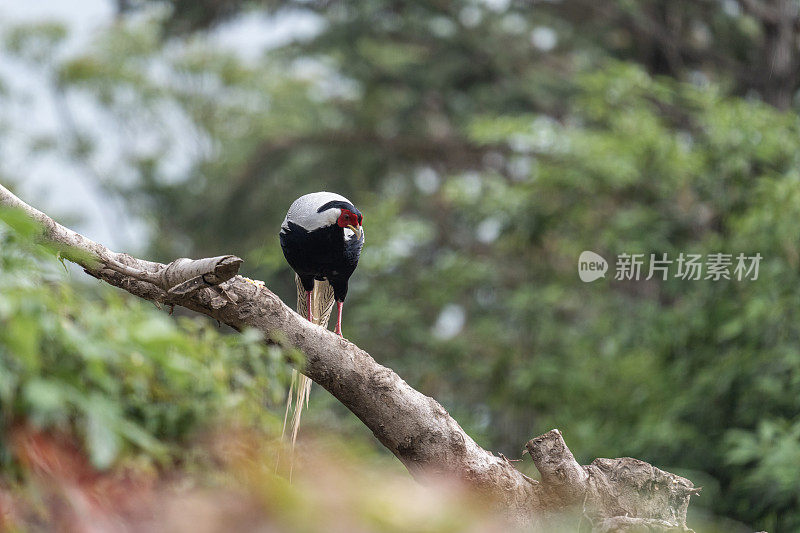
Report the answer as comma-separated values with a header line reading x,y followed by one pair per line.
x,y
348,218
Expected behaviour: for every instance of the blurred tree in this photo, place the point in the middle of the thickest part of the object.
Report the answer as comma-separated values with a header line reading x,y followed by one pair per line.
x,y
751,44
488,144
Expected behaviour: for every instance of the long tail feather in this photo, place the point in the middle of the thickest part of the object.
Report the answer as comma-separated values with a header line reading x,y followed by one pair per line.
x,y
300,388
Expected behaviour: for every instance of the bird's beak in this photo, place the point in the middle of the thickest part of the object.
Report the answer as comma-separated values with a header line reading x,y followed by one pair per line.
x,y
356,230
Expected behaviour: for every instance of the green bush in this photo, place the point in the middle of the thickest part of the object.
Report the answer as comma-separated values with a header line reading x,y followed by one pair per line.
x,y
115,372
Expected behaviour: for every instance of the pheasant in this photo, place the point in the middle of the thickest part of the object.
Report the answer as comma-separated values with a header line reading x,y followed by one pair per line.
x,y
321,237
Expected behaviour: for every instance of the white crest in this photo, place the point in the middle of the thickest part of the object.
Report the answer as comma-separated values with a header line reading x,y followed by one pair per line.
x,y
303,211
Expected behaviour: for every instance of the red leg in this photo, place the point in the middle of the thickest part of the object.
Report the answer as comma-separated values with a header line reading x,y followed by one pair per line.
x,y
338,329
308,306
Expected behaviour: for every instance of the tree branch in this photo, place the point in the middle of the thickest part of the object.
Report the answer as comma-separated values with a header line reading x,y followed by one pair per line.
x,y
414,427
761,11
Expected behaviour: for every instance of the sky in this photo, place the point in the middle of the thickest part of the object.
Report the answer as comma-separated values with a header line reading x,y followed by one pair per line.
x,y
57,185
49,183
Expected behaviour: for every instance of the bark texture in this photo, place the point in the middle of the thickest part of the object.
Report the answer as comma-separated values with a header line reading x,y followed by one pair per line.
x,y
608,495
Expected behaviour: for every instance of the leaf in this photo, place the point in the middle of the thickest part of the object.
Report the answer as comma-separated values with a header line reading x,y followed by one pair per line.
x,y
44,396
20,222
102,438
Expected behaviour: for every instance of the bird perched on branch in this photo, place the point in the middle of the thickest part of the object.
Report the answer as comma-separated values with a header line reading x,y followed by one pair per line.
x,y
321,237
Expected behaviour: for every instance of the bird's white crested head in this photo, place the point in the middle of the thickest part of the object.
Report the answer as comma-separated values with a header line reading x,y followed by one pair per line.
x,y
321,209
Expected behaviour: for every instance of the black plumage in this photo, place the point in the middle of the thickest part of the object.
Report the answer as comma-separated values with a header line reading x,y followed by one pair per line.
x,y
322,237
322,254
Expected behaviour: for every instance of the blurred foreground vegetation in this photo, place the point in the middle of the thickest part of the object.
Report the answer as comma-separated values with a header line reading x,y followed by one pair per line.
x,y
116,416
487,144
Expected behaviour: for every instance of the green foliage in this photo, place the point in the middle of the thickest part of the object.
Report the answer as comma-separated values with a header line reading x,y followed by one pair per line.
x,y
117,373
36,42
768,456
484,166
